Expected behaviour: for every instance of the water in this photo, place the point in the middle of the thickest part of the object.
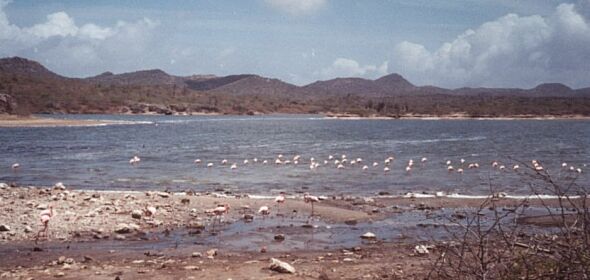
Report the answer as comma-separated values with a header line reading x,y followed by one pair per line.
x,y
97,157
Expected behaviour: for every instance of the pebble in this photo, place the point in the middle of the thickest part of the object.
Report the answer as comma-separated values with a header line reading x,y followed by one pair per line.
x,y
196,255
136,214
281,267
4,228
368,235
279,237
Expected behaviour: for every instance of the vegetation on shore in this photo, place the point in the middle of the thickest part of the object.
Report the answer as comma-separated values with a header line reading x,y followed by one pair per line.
x,y
36,89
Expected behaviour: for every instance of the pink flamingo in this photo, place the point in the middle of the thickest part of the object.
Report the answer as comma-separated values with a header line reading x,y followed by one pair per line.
x,y
44,217
310,199
264,211
280,199
218,212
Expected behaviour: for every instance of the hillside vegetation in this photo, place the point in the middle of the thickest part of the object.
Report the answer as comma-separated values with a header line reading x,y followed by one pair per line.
x,y
38,90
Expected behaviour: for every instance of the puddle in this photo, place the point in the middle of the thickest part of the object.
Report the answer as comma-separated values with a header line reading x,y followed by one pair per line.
x,y
301,233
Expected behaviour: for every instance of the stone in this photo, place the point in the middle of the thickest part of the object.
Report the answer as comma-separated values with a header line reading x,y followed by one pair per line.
x,y
59,186
196,255
4,228
42,206
368,235
211,253
28,229
421,250
163,194
279,237
3,186
122,228
350,222
136,214
61,260
191,267
119,237
69,261
281,267
59,274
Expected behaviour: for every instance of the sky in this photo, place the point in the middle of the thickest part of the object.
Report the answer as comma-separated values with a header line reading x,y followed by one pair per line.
x,y
453,43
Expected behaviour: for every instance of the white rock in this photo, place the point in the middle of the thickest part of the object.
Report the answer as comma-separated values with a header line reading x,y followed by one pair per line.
x,y
136,214
421,250
368,235
280,266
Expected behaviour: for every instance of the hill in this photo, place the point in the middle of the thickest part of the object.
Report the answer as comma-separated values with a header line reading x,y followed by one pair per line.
x,y
37,89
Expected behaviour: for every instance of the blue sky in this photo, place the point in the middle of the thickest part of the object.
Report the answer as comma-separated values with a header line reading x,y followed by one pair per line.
x,y
510,43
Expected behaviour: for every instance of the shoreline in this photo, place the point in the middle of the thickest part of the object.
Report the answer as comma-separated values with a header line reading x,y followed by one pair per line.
x,y
8,121
107,233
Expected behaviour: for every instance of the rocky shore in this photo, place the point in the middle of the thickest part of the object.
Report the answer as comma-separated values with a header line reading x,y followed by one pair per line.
x,y
162,235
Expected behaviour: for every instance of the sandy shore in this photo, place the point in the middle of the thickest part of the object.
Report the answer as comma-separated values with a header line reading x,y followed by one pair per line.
x,y
105,234
17,121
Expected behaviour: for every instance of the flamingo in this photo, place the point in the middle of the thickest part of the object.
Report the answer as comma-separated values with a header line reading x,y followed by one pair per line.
x,y
375,164
494,164
210,164
386,169
255,160
245,161
280,199
264,211
224,162
515,167
307,198
450,168
409,169
365,167
218,212
278,161
330,157
44,217
448,162
197,161
15,166
460,170
564,165
134,160
340,166
234,166
265,161
359,160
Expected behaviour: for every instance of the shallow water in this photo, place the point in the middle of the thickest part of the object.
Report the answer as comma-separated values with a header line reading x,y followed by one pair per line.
x,y
97,157
407,226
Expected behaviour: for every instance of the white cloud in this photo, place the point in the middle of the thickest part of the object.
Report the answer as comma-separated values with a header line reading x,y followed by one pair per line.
x,y
297,7
344,67
77,50
510,51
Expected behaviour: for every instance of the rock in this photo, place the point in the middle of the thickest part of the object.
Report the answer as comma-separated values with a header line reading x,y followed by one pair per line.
x,y
59,274
4,228
211,253
163,194
350,222
42,206
421,250
196,255
136,214
8,104
28,229
122,228
88,259
59,186
248,217
119,237
279,237
280,266
196,225
368,235
191,267
69,261
348,260
61,260
185,201
3,186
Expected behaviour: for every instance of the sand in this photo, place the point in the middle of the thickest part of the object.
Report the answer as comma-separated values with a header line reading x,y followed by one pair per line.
x,y
17,121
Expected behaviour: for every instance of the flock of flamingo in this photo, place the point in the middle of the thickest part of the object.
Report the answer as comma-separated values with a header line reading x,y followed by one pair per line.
x,y
340,162
343,162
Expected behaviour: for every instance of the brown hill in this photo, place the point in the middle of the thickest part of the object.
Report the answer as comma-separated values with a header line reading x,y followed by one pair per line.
x,y
38,90
144,77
